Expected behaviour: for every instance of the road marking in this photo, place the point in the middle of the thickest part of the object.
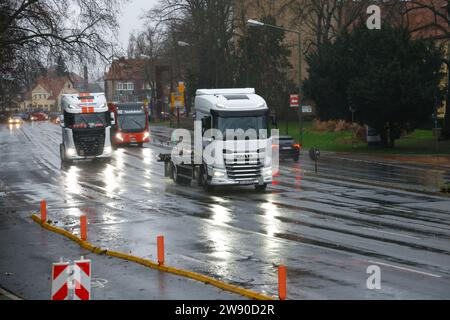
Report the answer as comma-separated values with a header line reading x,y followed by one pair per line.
x,y
393,233
9,295
404,269
98,283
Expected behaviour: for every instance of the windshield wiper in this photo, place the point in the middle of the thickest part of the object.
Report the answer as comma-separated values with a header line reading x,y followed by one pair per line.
x,y
140,127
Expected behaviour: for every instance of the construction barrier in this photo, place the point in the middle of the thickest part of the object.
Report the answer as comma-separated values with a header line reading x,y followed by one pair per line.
x,y
82,280
160,245
60,281
83,227
161,267
43,210
282,282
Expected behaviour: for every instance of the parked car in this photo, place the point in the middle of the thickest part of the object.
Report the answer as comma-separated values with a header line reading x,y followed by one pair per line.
x,y
373,137
39,116
289,148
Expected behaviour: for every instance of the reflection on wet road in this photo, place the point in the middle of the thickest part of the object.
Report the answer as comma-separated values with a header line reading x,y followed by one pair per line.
x,y
327,232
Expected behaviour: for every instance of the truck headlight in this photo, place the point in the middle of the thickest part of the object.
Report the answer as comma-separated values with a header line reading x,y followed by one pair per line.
x,y
218,174
268,172
70,152
119,136
146,135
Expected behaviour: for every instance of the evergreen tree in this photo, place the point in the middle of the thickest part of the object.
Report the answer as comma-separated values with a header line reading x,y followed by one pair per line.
x,y
390,80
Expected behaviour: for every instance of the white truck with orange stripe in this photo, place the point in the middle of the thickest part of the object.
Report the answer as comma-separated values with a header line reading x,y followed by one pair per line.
x,y
86,126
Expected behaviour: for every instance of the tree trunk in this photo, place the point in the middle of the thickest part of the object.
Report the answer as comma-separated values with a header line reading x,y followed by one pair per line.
x,y
387,136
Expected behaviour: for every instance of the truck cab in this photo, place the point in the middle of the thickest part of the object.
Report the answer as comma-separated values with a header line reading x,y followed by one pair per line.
x,y
131,124
241,159
86,127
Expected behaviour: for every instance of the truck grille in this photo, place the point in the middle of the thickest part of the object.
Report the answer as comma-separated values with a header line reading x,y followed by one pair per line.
x,y
242,166
89,142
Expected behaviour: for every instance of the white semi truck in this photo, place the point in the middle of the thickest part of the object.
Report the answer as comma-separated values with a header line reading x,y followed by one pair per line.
x,y
235,147
86,126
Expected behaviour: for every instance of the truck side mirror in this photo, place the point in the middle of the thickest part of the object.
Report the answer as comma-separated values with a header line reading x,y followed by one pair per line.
x,y
113,119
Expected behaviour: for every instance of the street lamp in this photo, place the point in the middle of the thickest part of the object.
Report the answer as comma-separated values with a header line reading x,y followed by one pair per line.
x,y
255,23
152,107
181,44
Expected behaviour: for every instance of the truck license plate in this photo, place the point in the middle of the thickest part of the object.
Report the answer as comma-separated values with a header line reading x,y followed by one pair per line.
x,y
246,183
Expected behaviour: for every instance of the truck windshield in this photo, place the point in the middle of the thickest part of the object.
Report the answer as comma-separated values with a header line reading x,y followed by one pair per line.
x,y
132,122
244,123
86,120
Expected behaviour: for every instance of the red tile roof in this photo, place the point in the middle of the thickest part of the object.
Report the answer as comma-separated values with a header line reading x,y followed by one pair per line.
x,y
53,85
126,69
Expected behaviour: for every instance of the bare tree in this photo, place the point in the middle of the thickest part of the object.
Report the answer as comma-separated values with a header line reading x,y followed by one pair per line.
x,y
35,31
79,29
207,25
149,45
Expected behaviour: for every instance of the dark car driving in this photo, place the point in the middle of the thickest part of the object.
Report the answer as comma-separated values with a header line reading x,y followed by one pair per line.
x,y
289,148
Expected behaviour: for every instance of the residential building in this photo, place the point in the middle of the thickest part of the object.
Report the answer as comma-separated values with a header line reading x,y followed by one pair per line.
x,y
125,81
46,94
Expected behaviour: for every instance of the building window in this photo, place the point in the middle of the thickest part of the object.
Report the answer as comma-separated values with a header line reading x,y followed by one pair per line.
x,y
125,86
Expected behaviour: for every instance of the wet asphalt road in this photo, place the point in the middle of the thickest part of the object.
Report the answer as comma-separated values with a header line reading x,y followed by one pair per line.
x,y
327,232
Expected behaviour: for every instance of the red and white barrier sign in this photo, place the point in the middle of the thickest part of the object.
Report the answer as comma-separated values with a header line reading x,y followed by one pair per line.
x,y
82,280
294,100
60,281
66,278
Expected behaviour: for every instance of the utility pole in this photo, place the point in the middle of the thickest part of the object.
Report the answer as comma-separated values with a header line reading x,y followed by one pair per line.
x,y
300,96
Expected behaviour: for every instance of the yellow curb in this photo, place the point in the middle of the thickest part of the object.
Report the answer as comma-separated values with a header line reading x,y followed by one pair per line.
x,y
184,273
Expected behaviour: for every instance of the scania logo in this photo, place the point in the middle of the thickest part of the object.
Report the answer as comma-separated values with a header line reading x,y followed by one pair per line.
x,y
242,156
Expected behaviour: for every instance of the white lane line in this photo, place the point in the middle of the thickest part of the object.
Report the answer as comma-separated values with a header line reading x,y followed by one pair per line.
x,y
393,233
9,295
404,269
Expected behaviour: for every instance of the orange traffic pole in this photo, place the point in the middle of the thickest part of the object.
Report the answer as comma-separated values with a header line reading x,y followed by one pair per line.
x,y
282,282
43,211
160,250
83,224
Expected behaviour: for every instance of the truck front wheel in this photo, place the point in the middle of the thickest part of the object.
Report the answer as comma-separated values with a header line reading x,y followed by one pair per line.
x,y
261,188
62,154
204,178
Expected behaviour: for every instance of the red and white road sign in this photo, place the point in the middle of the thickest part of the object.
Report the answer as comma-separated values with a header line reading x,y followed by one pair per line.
x,y
60,278
294,100
82,280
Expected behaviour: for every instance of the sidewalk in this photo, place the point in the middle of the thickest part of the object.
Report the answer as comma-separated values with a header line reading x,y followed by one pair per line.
x,y
421,160
28,251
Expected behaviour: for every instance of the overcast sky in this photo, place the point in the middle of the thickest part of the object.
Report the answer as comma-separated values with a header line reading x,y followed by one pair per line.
x,y
130,19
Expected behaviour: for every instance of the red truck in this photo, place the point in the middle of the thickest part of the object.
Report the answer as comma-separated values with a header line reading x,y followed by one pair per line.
x,y
131,124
